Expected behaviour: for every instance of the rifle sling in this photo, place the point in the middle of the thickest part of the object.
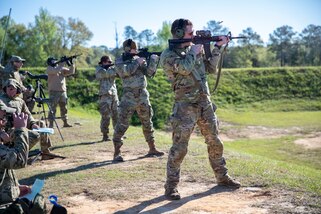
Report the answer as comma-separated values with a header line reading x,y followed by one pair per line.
x,y
220,64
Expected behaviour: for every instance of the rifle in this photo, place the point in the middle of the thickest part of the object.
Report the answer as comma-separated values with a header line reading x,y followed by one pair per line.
x,y
68,59
143,52
107,66
3,44
203,37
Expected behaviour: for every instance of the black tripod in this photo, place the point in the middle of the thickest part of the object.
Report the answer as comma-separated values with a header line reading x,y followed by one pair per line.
x,y
41,100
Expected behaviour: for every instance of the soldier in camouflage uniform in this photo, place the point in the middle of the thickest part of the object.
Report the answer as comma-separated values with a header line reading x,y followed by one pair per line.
x,y
13,157
58,89
185,67
11,98
135,97
11,71
108,98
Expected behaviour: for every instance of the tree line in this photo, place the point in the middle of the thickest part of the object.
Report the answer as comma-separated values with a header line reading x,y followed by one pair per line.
x,y
54,36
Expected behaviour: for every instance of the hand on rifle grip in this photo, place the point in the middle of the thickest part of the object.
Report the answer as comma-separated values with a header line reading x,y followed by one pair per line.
x,y
197,48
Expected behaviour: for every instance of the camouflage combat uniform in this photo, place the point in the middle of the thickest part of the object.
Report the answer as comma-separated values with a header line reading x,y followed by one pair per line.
x,y
9,72
187,74
12,158
108,98
135,98
20,105
58,90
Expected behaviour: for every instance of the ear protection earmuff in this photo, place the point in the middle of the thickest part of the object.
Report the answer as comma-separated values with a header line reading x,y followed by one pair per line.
x,y
179,31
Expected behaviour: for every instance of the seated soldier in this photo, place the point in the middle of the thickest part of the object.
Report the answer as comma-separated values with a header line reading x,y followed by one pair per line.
x,y
12,90
13,156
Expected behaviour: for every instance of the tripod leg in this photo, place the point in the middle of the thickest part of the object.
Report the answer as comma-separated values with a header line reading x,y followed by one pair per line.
x,y
35,158
51,113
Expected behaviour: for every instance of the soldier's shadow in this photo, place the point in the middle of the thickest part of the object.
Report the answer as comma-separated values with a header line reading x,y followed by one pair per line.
x,y
172,205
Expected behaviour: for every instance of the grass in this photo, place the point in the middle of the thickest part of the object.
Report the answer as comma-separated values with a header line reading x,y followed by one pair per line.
x,y
269,163
275,113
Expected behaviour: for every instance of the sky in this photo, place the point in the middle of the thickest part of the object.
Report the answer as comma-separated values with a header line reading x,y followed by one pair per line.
x,y
102,17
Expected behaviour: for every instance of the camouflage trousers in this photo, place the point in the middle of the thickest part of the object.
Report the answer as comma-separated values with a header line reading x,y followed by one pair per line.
x,y
58,98
131,101
35,137
184,118
108,108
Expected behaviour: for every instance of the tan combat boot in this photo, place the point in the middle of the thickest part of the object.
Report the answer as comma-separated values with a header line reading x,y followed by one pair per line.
x,y
117,153
171,193
153,151
106,137
228,182
66,124
46,155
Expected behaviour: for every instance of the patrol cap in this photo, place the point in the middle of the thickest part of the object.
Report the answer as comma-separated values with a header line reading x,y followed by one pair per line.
x,y
14,83
129,44
15,58
105,59
5,108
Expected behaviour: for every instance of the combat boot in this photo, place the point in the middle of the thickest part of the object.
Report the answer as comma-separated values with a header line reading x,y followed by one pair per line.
x,y
106,137
46,155
228,182
117,153
172,194
66,124
153,151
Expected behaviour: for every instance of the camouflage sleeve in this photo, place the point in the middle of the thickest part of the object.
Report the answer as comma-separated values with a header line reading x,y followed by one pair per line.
x,y
126,69
102,73
174,64
152,67
211,64
15,157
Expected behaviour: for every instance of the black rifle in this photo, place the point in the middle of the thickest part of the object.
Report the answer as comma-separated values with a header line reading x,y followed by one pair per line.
x,y
107,66
203,37
68,59
142,52
34,76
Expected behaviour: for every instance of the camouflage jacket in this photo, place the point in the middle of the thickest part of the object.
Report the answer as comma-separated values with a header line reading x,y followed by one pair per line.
x,y
56,77
20,105
9,73
134,75
106,78
187,72
14,157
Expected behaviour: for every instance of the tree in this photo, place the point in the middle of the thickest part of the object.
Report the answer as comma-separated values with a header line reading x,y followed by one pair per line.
x,y
78,33
250,46
281,43
216,28
130,33
311,42
164,34
146,38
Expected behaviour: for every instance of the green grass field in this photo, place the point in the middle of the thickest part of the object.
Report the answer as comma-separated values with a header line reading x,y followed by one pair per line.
x,y
271,163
